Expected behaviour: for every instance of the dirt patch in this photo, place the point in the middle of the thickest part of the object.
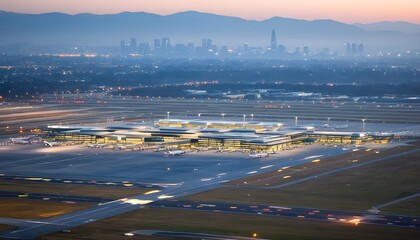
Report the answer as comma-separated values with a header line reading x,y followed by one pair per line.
x,y
28,208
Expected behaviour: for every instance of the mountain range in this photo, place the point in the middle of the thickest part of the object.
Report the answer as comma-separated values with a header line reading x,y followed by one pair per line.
x,y
183,27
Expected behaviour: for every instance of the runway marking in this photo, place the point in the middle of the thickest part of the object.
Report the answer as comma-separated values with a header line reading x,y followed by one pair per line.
x,y
28,159
268,166
26,229
252,172
165,196
151,192
123,207
118,200
57,161
206,179
314,156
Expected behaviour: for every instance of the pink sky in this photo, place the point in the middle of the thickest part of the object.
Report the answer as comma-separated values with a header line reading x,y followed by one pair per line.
x,y
349,11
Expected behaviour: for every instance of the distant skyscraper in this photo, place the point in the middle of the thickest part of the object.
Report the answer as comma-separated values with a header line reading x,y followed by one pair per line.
x,y
144,48
133,45
122,46
157,44
348,48
246,48
353,48
273,40
306,51
361,49
166,43
206,44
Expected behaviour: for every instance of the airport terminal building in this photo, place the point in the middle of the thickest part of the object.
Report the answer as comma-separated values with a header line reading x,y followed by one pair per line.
x,y
187,134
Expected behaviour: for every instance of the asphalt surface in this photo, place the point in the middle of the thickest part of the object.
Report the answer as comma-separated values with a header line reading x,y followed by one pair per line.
x,y
192,186
124,108
213,170
329,172
189,235
283,211
76,163
78,181
54,197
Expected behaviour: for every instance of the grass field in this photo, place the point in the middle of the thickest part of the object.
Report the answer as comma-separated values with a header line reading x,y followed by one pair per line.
x,y
230,224
5,227
410,207
28,208
71,189
277,177
356,189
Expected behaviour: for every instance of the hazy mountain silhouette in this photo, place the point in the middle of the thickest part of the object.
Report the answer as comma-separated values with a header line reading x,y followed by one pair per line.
x,y
109,29
401,26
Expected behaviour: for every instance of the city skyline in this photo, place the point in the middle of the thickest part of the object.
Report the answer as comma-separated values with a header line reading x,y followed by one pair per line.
x,y
345,11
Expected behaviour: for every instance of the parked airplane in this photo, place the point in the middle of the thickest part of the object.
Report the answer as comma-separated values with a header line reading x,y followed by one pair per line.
x,y
51,144
120,147
258,155
175,152
20,140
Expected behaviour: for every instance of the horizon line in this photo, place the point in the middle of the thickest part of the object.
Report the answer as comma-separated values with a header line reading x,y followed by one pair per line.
x,y
165,15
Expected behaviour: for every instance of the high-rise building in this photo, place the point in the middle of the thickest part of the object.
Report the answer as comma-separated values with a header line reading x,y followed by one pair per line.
x,y
348,48
361,49
273,44
206,44
157,44
166,44
246,49
353,48
123,47
306,51
133,45
144,48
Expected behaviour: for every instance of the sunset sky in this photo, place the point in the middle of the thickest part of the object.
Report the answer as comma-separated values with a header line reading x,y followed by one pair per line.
x,y
349,11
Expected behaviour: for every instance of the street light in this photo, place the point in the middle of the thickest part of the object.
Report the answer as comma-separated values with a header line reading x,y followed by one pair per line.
x,y
199,115
168,114
223,116
252,117
363,123
328,121
296,118
244,118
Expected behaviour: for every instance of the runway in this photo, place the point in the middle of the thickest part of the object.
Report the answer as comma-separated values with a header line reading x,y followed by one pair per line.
x,y
54,197
189,235
348,217
195,185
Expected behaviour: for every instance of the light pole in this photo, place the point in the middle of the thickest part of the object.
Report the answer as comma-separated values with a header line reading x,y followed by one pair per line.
x,y
199,115
328,121
244,118
296,118
252,117
168,114
363,124
223,116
